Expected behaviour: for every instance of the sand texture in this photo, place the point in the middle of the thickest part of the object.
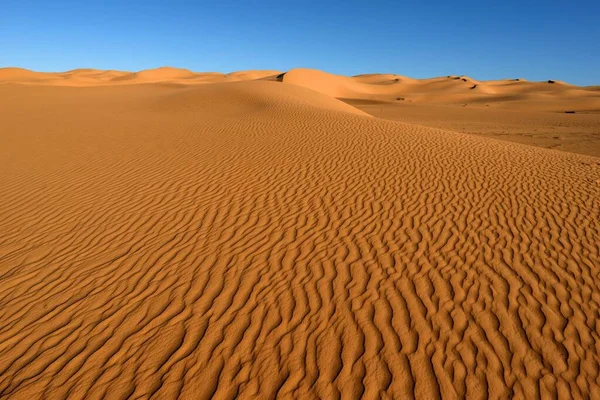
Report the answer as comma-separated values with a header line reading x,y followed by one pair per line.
x,y
550,114
250,235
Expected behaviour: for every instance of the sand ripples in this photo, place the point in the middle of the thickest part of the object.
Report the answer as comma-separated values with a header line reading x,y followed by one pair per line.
x,y
253,244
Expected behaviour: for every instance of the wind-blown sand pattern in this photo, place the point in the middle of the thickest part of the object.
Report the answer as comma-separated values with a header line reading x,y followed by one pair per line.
x,y
255,239
577,133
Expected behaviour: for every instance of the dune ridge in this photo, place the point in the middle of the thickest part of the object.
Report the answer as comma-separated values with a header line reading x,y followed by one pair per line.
x,y
515,93
257,239
93,77
542,96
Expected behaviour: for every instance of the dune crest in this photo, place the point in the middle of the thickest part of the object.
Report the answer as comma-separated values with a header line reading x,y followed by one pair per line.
x,y
93,77
248,96
551,95
332,85
162,74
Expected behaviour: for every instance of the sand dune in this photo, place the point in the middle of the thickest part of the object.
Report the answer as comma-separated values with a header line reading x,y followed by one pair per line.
x,y
255,239
515,94
338,86
253,75
92,77
539,96
578,133
158,75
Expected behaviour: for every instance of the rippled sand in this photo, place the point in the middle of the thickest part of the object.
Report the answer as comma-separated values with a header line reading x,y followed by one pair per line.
x,y
255,239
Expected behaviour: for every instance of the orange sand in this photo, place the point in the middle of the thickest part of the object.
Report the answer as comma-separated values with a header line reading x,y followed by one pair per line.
x,y
171,234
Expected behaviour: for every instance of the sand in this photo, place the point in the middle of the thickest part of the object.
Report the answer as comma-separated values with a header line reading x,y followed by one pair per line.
x,y
577,133
551,115
169,234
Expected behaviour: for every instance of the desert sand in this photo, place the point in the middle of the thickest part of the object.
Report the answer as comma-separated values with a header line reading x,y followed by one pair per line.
x,y
173,234
550,114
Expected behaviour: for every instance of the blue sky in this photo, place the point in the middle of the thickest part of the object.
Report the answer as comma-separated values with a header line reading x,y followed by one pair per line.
x,y
486,40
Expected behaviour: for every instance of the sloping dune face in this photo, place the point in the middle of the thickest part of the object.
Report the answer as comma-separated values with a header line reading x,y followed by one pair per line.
x,y
515,94
256,239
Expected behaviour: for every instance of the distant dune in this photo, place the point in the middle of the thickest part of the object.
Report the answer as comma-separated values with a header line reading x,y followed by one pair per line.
x,y
172,234
91,77
509,93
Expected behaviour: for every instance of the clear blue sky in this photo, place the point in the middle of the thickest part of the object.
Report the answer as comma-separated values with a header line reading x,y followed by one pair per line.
x,y
536,40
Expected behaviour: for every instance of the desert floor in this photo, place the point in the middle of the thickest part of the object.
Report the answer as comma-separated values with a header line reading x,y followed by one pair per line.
x,y
171,234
